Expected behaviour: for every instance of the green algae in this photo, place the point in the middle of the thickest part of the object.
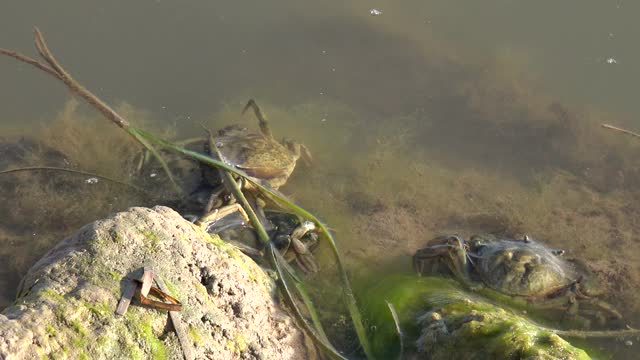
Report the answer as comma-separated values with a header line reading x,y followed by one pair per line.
x,y
79,342
195,335
140,325
158,351
151,239
101,341
101,310
115,276
173,290
78,328
78,337
447,322
63,354
50,330
52,294
210,239
117,238
136,354
238,344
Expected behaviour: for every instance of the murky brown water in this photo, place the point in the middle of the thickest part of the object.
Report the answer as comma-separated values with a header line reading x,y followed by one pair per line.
x,y
429,118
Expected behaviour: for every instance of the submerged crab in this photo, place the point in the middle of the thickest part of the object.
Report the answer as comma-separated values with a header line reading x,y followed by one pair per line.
x,y
516,267
295,239
258,154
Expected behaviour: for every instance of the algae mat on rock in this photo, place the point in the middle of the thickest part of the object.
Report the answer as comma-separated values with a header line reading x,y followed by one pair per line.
x,y
67,299
440,321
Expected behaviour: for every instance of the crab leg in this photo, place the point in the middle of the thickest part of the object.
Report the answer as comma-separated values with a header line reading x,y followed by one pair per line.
x,y
452,248
264,125
213,216
304,258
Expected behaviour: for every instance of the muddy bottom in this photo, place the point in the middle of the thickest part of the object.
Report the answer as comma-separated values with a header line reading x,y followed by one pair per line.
x,y
385,219
385,189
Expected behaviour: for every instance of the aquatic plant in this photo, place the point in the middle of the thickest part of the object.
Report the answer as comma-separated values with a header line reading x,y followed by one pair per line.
x,y
445,322
53,68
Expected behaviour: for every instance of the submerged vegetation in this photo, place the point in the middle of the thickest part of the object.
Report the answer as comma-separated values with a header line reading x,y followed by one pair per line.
x,y
477,150
444,323
147,140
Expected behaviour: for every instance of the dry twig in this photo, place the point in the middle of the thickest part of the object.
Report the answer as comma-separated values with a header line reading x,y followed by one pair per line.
x,y
628,132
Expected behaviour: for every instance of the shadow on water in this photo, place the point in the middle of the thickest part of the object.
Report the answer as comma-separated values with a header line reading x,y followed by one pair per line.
x,y
409,141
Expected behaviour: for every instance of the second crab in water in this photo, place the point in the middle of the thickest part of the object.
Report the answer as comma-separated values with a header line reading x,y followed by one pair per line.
x,y
519,268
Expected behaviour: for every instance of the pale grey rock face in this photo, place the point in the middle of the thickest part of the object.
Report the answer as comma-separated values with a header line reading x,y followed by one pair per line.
x,y
67,299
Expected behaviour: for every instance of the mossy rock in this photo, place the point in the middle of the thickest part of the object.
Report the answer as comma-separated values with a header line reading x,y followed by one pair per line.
x,y
440,321
67,299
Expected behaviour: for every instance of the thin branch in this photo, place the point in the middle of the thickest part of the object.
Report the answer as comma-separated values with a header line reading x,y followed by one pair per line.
x,y
74,86
56,70
79,172
30,61
628,132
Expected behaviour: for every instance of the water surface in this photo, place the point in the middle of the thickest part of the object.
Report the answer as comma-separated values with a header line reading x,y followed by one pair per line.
x,y
429,118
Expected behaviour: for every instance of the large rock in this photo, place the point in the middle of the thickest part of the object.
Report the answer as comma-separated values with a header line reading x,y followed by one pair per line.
x,y
441,321
67,300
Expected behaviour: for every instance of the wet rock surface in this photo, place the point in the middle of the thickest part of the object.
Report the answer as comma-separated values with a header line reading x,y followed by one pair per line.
x,y
441,321
67,299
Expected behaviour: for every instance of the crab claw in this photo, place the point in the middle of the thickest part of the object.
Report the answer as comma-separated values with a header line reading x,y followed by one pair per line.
x,y
304,258
299,150
450,249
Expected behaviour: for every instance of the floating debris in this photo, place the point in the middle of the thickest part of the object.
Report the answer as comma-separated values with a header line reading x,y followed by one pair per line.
x,y
92,180
375,12
152,175
611,61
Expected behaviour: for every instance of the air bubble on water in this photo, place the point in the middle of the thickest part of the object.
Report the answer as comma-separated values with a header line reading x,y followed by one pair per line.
x,y
628,343
92,180
611,61
375,12
152,175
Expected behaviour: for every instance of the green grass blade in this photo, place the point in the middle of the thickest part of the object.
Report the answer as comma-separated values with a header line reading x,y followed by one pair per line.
x,y
396,320
319,339
304,294
79,172
277,262
350,299
142,140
